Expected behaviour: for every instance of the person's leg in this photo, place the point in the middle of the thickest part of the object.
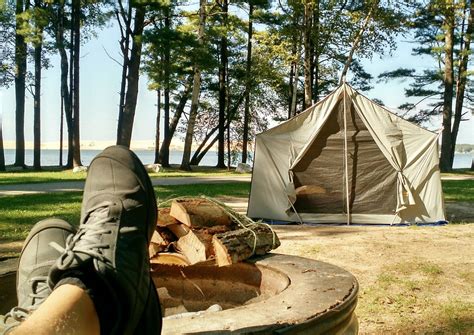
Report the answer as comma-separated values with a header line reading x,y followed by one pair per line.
x,y
108,255
36,259
67,310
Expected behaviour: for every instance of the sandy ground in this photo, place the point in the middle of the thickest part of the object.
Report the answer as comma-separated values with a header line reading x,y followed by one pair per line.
x,y
412,279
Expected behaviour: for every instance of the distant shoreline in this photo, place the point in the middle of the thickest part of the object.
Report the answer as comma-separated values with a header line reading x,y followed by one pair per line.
x,y
95,145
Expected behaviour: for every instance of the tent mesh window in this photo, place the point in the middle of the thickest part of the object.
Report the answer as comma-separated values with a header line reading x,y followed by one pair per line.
x,y
320,176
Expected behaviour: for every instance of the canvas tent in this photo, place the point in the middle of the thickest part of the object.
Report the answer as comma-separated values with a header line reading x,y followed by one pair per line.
x,y
347,159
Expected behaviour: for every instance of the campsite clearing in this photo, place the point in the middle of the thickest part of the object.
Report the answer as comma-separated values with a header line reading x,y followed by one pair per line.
x,y
412,279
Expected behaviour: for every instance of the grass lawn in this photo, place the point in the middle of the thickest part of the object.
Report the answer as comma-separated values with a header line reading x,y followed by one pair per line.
x,y
30,176
54,175
19,213
458,190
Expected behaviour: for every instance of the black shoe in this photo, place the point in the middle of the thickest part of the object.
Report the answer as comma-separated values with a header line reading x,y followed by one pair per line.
x,y
36,258
118,217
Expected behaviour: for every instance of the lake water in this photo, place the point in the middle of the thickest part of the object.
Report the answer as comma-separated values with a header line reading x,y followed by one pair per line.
x,y
51,157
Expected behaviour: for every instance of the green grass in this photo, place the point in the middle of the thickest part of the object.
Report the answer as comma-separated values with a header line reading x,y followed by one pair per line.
x,y
458,190
20,212
30,176
238,189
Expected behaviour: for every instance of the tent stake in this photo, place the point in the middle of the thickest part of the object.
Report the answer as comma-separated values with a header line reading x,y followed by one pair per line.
x,y
346,168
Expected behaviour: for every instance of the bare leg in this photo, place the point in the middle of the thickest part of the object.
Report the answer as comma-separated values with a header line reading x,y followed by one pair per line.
x,y
68,310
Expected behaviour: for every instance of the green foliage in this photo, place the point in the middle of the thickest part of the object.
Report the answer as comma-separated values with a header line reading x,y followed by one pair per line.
x,y
7,42
427,24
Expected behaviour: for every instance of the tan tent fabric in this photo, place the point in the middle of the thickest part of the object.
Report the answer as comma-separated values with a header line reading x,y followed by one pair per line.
x,y
392,173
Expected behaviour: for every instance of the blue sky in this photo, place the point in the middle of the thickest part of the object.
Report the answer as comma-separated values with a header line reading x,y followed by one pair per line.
x,y
100,84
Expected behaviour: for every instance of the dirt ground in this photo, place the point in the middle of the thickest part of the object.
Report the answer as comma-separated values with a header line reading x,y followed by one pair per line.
x,y
412,279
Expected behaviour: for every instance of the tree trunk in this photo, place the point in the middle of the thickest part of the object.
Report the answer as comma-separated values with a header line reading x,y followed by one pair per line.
x,y
188,141
2,152
157,131
61,131
70,145
222,88
291,81
164,151
125,30
131,95
247,86
66,96
294,97
20,78
315,54
200,153
76,4
446,141
462,79
307,32
357,41
37,105
295,52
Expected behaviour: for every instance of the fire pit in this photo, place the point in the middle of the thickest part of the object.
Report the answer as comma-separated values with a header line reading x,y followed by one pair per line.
x,y
274,294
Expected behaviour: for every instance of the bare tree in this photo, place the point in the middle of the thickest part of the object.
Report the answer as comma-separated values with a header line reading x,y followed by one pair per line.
x,y
448,79
247,86
20,83
188,141
132,70
2,152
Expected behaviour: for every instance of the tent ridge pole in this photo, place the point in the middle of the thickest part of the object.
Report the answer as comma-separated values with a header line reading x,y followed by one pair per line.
x,y
346,168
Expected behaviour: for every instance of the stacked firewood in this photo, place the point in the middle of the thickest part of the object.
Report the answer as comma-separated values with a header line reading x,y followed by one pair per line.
x,y
204,231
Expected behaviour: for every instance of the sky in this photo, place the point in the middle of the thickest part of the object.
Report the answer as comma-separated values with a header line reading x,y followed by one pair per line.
x,y
100,86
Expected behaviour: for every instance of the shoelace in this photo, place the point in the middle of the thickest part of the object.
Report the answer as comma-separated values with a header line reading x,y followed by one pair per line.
x,y
87,238
40,292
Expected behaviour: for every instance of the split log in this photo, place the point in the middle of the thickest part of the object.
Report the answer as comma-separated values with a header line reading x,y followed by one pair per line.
x,y
199,213
191,246
216,229
164,218
157,244
153,249
238,245
170,258
179,230
166,234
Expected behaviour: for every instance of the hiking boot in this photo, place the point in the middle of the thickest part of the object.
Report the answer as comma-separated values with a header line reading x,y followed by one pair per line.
x,y
118,218
36,258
